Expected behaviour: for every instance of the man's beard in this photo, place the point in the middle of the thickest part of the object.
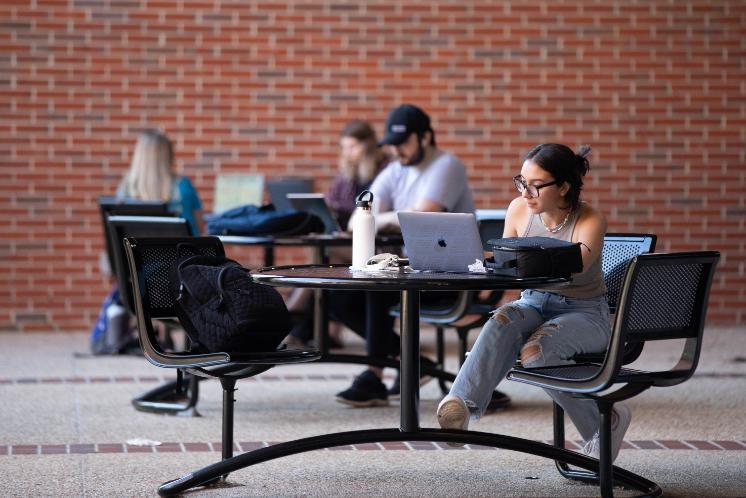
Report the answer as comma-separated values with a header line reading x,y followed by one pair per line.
x,y
418,156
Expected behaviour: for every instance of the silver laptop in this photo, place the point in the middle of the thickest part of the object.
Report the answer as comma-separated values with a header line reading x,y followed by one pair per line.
x,y
441,241
316,204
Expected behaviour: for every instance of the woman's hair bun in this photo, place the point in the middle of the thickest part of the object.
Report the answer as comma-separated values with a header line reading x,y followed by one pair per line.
x,y
582,159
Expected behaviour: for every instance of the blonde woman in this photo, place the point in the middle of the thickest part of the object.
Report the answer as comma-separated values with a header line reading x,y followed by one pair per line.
x,y
152,177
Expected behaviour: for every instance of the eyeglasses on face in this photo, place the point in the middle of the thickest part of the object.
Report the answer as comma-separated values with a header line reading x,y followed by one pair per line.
x,y
533,190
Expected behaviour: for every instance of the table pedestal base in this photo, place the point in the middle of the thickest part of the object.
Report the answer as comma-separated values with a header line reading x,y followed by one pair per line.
x,y
212,472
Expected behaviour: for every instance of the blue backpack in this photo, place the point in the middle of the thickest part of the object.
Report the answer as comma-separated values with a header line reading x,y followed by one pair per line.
x,y
264,220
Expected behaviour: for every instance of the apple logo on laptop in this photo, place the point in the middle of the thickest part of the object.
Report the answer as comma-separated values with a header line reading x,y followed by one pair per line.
x,y
441,242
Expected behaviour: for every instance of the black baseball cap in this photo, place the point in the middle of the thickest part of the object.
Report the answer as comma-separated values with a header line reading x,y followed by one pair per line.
x,y
402,122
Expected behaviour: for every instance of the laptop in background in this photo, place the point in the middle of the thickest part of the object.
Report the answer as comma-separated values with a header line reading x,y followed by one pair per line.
x,y
279,189
441,241
315,204
237,189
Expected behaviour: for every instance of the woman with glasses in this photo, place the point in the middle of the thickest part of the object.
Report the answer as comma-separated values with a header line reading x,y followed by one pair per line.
x,y
551,325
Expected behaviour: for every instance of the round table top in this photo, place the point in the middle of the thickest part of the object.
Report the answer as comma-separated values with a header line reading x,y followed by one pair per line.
x,y
340,276
313,239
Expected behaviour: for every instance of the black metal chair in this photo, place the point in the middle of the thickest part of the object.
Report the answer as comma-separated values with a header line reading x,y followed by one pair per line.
x,y
120,227
663,296
618,251
150,259
111,206
175,396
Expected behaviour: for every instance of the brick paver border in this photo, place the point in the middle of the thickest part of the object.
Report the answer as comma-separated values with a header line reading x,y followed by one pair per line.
x,y
193,447
270,377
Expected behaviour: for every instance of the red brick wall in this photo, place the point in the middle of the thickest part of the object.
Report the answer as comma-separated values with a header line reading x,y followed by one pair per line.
x,y
657,88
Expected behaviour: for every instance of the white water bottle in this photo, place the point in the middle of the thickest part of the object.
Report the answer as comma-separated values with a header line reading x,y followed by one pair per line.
x,y
363,231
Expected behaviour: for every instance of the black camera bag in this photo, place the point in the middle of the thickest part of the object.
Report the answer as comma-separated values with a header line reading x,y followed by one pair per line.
x,y
534,257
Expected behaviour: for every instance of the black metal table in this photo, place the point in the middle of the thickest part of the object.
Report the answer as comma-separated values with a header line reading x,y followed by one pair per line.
x,y
321,243
409,285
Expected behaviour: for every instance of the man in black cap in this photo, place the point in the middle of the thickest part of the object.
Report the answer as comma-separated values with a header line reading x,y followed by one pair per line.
x,y
422,178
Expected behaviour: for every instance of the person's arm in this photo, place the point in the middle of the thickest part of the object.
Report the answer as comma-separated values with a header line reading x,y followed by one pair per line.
x,y
589,231
190,203
389,221
445,184
514,217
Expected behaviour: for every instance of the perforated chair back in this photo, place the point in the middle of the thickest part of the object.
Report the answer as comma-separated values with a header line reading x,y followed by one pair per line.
x,y
120,227
618,251
154,258
111,206
665,297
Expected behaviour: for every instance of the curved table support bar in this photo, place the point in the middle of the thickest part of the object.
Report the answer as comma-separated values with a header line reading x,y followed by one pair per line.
x,y
211,472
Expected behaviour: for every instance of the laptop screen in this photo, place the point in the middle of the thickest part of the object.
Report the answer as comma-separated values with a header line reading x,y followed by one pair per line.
x,y
441,241
237,189
315,204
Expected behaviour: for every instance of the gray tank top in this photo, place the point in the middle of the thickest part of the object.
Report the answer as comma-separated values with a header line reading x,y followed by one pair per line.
x,y
585,285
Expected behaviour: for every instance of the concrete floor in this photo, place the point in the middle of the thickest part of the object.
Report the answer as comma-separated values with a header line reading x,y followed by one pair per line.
x,y
67,420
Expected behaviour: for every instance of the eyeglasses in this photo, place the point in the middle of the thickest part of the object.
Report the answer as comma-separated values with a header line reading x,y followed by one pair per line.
x,y
533,190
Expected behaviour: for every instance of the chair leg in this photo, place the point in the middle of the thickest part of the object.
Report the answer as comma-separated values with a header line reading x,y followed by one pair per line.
x,y
229,385
558,423
463,339
441,357
604,464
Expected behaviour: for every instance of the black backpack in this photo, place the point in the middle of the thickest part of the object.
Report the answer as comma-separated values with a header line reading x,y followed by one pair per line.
x,y
222,309
264,220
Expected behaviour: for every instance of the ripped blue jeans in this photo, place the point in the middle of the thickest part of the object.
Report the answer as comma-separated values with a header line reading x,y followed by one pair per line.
x,y
541,328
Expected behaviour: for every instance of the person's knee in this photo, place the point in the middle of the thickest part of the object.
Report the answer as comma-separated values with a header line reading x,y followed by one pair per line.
x,y
505,321
507,314
532,353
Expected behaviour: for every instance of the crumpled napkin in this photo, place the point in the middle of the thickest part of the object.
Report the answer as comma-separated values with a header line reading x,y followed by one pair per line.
x,y
477,267
380,262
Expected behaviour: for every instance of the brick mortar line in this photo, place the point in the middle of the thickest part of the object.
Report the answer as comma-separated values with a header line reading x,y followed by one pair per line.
x,y
181,447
